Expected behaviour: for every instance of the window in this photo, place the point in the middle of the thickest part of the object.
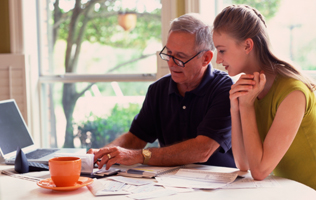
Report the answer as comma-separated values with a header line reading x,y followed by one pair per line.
x,y
98,59
290,26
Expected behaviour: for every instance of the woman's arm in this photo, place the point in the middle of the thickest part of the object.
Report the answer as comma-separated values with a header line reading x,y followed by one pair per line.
x,y
240,88
264,157
238,147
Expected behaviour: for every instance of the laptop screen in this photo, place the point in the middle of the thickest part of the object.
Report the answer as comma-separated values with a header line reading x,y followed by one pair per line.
x,y
13,130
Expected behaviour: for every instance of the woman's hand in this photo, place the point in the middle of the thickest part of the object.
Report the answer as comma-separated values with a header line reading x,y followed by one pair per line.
x,y
251,95
240,88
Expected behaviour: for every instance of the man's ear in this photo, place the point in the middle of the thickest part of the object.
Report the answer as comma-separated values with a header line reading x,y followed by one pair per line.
x,y
248,45
208,55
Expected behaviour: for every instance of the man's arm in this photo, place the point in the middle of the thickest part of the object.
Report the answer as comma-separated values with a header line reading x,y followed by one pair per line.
x,y
127,140
194,150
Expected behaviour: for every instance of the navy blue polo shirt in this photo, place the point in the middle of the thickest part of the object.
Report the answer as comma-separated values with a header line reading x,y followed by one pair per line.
x,y
172,118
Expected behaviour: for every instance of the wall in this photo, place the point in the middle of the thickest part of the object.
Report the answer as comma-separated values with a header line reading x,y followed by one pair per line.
x,y
5,28
180,8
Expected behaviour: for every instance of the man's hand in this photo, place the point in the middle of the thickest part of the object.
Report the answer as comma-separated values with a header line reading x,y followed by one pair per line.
x,y
115,154
92,151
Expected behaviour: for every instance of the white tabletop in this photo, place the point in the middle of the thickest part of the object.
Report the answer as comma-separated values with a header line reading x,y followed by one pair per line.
x,y
15,188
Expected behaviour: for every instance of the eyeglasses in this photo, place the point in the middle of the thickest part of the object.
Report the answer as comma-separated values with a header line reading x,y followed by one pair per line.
x,y
175,60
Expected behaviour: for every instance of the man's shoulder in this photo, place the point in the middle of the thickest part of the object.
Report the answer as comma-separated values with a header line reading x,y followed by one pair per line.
x,y
221,74
219,77
163,81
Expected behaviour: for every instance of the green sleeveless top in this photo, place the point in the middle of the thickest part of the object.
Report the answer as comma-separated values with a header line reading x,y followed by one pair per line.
x,y
299,162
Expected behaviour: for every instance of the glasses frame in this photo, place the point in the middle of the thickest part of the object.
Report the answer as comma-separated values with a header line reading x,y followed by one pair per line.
x,y
176,60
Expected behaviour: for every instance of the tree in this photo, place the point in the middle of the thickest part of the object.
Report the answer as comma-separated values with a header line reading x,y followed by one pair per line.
x,y
95,21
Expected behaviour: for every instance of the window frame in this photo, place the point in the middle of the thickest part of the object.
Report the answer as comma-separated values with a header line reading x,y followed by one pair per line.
x,y
20,20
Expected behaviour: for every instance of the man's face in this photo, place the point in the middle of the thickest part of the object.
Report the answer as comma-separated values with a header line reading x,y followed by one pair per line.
x,y
181,45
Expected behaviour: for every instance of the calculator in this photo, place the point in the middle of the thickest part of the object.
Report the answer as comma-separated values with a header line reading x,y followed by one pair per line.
x,y
104,172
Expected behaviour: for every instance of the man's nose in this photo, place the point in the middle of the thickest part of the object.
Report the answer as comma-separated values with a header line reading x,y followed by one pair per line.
x,y
171,62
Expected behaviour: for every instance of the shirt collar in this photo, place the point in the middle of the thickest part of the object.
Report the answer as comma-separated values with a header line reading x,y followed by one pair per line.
x,y
208,74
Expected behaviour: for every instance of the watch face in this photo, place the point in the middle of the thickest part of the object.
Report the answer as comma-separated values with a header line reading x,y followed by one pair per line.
x,y
146,153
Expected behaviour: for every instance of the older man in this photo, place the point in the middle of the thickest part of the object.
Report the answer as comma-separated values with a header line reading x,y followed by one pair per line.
x,y
188,111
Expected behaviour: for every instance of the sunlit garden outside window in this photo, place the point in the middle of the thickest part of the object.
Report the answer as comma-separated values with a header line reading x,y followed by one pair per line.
x,y
86,38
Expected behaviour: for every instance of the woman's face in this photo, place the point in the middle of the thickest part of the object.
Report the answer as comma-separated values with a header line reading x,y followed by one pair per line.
x,y
230,54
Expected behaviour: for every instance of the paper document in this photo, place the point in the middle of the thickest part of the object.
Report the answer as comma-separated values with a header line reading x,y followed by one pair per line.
x,y
198,179
173,181
30,176
109,186
204,175
101,187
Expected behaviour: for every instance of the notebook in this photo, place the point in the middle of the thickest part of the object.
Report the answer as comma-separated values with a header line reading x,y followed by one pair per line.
x,y
14,133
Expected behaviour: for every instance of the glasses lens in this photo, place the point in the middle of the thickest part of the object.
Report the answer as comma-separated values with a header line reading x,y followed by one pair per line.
x,y
165,57
178,62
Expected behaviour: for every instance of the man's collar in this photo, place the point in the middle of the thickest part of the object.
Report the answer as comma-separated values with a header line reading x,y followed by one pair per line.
x,y
208,74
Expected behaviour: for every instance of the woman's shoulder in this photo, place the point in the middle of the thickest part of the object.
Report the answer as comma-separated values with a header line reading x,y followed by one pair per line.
x,y
287,84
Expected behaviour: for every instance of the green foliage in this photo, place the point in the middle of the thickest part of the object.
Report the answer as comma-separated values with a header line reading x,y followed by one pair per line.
x,y
100,131
103,28
267,8
106,31
64,27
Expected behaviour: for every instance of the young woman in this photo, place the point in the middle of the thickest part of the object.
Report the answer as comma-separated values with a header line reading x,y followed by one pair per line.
x,y
272,104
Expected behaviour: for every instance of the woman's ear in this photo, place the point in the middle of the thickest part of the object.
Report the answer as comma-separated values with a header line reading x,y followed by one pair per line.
x,y
248,44
208,55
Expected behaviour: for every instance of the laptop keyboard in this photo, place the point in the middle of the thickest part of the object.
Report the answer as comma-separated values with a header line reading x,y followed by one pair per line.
x,y
39,153
34,166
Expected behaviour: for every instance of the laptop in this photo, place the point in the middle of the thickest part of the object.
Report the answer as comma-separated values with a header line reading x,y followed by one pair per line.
x,y
14,133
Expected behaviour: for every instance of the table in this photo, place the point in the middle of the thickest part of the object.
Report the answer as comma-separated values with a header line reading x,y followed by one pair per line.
x,y
14,189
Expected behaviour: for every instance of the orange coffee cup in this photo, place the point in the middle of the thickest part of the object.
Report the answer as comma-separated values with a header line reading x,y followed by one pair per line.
x,y
64,171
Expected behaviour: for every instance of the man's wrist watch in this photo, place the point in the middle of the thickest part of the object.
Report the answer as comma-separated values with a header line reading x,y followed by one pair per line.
x,y
147,155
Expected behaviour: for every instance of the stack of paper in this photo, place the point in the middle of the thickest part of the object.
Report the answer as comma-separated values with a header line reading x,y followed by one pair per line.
x,y
198,179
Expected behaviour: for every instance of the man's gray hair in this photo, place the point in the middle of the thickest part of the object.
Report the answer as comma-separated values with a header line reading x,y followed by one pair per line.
x,y
193,23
